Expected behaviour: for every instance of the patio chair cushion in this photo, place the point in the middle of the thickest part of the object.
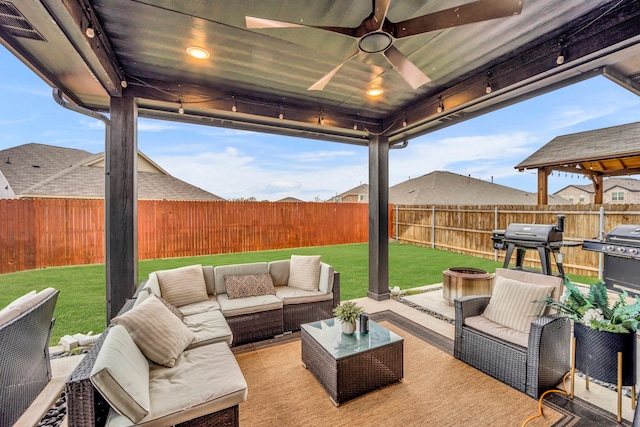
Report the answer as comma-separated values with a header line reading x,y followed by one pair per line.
x,y
199,307
249,285
124,385
304,272
290,295
497,330
208,327
279,271
159,334
235,270
248,305
515,304
182,286
23,303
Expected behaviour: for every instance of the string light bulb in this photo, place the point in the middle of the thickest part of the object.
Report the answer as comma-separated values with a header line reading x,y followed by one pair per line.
x,y
404,120
488,89
440,105
321,118
561,57
181,107
234,107
281,115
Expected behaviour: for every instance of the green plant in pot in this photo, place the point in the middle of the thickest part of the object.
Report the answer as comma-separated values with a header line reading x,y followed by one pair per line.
x,y
602,329
348,312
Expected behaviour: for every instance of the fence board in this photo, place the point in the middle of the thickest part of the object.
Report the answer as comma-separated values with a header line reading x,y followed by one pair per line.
x,y
37,233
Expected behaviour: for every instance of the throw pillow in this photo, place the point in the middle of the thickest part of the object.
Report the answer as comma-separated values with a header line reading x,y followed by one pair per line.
x,y
516,304
304,272
172,309
249,285
182,286
159,334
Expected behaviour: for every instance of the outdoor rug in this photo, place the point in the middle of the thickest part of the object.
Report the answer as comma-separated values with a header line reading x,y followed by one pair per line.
x,y
437,390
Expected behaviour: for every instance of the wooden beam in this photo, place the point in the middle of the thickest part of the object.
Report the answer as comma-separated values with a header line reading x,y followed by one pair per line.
x,y
121,204
543,186
598,187
378,218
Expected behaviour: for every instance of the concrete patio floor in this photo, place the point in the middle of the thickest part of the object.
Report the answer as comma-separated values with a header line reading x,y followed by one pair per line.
x,y
429,302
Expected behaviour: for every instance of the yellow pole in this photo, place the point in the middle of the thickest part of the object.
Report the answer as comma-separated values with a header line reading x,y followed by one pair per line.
x,y
619,386
573,365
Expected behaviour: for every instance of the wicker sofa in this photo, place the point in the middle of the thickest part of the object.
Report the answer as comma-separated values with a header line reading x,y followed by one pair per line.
x,y
25,330
532,361
215,321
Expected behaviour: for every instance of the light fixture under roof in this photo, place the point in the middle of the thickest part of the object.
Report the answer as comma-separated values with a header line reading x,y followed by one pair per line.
x,y
198,52
375,91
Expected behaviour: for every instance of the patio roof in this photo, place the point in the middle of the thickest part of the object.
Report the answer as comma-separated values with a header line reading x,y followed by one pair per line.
x,y
305,73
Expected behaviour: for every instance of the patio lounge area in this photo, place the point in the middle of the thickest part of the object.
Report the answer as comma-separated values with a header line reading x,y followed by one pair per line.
x,y
428,310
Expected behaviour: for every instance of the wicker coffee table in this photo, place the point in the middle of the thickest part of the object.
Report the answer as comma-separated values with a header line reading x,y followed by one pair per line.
x,y
348,366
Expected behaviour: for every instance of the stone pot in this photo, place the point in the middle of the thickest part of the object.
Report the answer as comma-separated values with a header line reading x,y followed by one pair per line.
x,y
348,327
597,354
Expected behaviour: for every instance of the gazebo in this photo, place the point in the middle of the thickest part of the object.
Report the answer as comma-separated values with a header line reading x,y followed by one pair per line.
x,y
375,74
600,153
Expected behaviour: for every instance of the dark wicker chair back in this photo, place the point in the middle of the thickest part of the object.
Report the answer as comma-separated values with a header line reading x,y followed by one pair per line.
x,y
25,368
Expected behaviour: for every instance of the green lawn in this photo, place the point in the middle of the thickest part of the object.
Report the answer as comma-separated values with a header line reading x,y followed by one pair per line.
x,y
81,303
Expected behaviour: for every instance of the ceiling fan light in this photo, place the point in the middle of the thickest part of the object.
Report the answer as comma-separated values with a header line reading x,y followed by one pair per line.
x,y
375,92
198,52
375,42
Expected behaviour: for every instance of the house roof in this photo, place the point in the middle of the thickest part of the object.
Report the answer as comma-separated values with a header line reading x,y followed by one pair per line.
x,y
360,189
608,151
39,170
290,199
447,188
629,184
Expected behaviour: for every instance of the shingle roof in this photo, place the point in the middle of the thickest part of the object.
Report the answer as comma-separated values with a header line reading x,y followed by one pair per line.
x,y
447,188
626,183
77,173
606,143
360,189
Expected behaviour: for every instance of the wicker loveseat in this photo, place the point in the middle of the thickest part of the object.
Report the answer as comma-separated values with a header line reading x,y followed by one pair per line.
x,y
531,362
25,330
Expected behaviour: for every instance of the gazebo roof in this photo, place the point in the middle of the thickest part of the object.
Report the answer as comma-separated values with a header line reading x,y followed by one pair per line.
x,y
607,152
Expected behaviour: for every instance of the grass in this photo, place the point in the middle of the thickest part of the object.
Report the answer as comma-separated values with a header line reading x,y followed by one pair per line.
x,y
81,304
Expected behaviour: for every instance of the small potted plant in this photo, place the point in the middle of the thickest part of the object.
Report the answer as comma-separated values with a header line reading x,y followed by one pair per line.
x,y
347,313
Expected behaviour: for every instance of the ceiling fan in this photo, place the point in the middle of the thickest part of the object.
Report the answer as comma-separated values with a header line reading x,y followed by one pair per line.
x,y
376,34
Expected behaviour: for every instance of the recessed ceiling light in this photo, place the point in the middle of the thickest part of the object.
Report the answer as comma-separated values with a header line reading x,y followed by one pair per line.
x,y
198,52
375,92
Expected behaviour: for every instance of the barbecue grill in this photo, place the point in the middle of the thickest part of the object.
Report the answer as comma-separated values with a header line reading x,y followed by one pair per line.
x,y
621,249
544,238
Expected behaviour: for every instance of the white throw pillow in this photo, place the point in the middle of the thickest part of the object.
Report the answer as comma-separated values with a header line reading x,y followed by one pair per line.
x,y
159,334
182,286
516,304
304,272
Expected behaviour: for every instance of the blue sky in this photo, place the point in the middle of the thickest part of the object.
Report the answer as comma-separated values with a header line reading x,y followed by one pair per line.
x,y
236,164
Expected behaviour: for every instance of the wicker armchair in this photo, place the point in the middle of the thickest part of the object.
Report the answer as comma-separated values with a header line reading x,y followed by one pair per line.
x,y
24,358
532,369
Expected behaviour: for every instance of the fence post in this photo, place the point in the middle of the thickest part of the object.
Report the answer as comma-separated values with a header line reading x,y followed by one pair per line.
x,y
601,234
495,227
396,224
433,227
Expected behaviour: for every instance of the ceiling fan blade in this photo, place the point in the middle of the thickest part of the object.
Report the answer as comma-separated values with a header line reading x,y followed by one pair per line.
x,y
320,84
478,11
380,8
407,69
253,22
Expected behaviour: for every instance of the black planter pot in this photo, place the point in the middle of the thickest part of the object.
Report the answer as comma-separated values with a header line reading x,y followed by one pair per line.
x,y
597,354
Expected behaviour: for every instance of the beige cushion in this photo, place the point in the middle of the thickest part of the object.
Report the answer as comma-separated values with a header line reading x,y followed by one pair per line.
x,y
513,303
182,286
208,327
159,334
497,330
279,271
238,306
249,285
121,375
290,295
304,272
23,304
198,307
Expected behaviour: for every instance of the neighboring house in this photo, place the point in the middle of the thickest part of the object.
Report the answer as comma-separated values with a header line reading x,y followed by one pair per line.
x,y
615,191
44,171
290,200
359,194
447,188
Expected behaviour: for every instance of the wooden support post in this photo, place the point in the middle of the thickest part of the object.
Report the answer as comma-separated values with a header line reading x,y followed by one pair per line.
x,y
121,204
543,186
378,218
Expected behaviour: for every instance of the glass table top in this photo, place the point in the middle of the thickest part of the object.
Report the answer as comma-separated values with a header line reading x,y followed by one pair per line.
x,y
328,333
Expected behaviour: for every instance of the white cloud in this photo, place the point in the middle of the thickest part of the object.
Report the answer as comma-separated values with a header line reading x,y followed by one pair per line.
x,y
318,156
154,125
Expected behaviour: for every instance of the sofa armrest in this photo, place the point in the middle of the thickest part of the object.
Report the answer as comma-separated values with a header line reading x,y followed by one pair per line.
x,y
467,306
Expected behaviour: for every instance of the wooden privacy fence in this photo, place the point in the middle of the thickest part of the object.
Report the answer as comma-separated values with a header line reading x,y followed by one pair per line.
x,y
468,229
37,233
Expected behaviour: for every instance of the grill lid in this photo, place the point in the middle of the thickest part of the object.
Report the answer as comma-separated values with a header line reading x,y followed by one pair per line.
x,y
629,234
532,233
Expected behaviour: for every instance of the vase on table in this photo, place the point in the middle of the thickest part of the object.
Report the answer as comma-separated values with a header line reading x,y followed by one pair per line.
x,y
348,327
